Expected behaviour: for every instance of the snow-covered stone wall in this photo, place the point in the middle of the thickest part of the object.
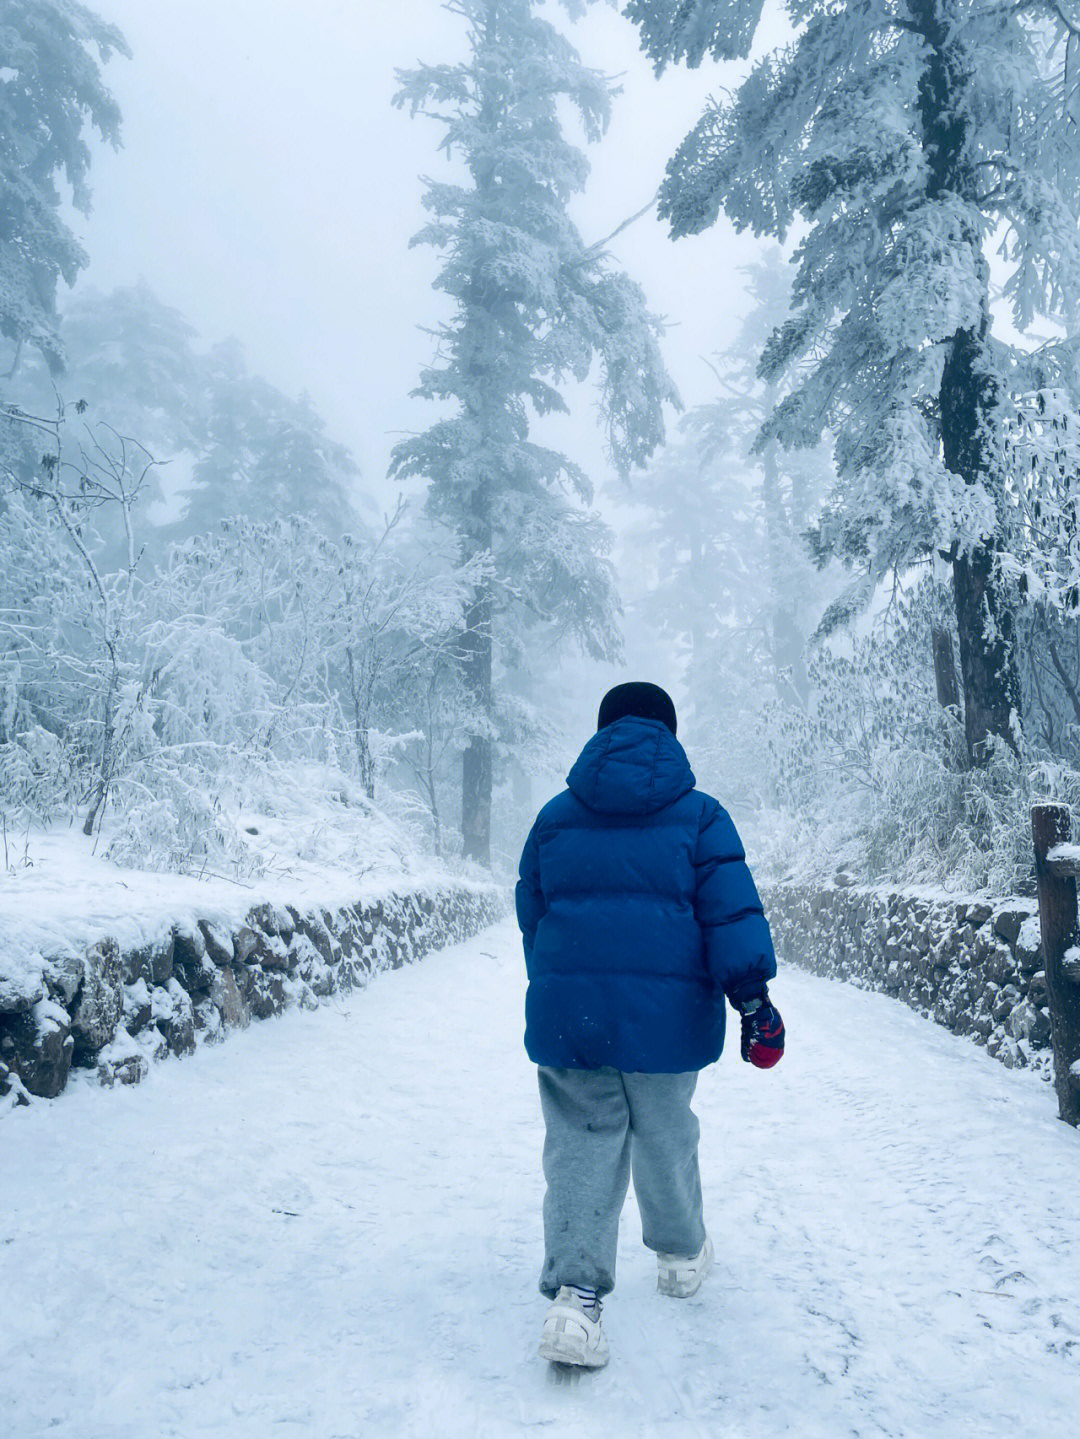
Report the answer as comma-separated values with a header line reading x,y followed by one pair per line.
x,y
972,965
111,1011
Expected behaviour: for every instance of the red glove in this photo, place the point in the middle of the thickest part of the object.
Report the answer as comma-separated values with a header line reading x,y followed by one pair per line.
x,y
762,1032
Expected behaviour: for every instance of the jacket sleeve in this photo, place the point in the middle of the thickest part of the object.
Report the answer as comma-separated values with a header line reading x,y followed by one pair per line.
x,y
528,896
738,944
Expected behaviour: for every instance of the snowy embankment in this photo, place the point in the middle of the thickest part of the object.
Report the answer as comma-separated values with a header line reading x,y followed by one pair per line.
x,y
106,969
331,1226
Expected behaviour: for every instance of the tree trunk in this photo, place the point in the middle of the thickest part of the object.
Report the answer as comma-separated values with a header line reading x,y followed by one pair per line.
x,y
697,585
948,692
365,760
991,684
360,687
107,762
433,805
15,361
984,621
968,397
476,763
786,640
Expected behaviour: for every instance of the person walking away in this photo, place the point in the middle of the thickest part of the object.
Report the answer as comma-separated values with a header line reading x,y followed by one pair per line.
x,y
638,916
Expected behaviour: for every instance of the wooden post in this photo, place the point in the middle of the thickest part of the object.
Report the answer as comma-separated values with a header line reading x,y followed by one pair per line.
x,y
1057,919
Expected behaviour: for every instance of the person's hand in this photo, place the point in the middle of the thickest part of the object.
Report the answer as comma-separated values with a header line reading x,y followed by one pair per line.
x,y
762,1032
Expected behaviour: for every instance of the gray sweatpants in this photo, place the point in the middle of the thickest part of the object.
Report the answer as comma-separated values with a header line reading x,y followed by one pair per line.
x,y
602,1123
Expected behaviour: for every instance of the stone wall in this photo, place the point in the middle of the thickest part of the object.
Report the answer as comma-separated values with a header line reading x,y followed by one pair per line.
x,y
112,1012
969,964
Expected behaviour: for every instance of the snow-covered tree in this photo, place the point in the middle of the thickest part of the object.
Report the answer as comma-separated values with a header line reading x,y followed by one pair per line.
x,y
101,472
906,137
130,366
263,454
51,92
133,359
433,694
154,690
226,440
393,639
533,307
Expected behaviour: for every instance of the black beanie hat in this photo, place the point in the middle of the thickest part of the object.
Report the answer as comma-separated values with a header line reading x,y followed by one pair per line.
x,y
637,698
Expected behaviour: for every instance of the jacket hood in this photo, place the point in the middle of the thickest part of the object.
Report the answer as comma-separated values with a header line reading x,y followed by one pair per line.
x,y
633,766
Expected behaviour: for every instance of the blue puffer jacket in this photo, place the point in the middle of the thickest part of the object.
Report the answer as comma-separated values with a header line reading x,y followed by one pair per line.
x,y
637,911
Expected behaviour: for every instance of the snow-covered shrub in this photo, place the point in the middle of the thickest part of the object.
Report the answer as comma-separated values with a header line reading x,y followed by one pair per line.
x,y
168,818
873,778
45,616
156,702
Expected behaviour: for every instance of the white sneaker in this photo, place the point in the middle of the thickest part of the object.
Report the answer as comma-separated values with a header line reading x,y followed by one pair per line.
x,y
681,1277
570,1336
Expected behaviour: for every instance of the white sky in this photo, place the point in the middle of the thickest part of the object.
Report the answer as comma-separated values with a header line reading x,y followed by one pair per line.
x,y
268,189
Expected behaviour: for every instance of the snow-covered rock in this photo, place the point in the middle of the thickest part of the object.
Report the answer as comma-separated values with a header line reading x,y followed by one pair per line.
x,y
101,998
173,981
37,1045
21,986
1028,945
226,996
219,943
13,1092
122,1061
137,1008
64,973
972,966
209,1025
171,1010
191,963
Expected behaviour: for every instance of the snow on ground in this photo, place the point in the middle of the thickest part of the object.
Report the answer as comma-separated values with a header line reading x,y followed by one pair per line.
x,y
60,893
329,1227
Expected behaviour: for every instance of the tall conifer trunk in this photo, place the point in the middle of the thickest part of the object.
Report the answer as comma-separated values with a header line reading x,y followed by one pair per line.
x,y
532,305
967,399
984,621
491,403
476,762
786,641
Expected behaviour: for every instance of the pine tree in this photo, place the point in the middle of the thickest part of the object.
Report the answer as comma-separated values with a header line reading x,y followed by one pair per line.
x,y
131,358
904,136
248,449
533,306
129,370
50,90
262,455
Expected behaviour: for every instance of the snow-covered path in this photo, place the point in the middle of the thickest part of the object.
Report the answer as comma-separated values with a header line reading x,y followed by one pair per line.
x,y
330,1226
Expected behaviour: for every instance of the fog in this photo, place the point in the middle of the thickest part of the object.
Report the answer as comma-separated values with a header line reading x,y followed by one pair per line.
x,y
268,189
847,552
